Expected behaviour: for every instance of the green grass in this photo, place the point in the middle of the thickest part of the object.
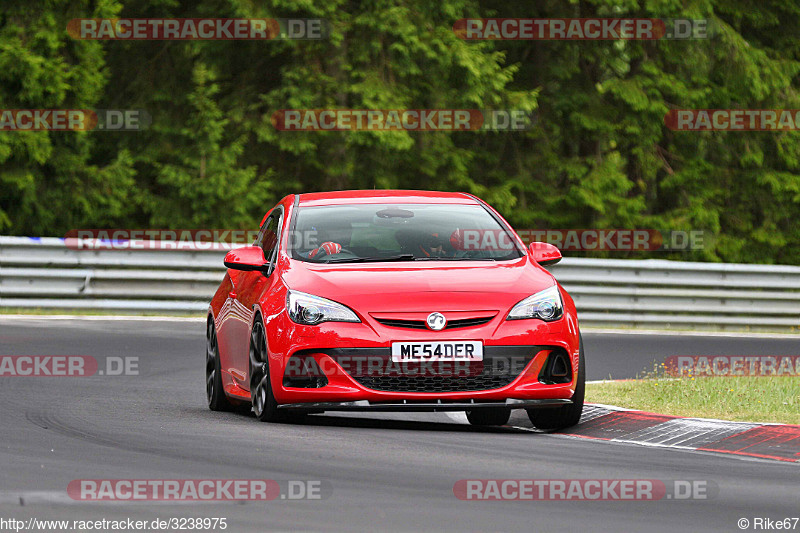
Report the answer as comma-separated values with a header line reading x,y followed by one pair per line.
x,y
745,399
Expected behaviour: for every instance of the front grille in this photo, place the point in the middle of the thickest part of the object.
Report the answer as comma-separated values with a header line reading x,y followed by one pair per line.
x,y
468,322
373,368
434,383
414,324
420,324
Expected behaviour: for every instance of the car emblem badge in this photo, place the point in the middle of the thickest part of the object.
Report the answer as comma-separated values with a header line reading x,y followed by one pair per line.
x,y
436,321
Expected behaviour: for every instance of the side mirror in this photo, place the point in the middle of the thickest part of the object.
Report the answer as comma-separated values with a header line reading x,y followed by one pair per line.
x,y
247,258
545,253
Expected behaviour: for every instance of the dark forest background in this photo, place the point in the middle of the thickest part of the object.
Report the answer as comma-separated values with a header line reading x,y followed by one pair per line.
x,y
599,156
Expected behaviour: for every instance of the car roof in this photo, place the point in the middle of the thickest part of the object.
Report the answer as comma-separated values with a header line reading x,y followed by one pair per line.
x,y
385,196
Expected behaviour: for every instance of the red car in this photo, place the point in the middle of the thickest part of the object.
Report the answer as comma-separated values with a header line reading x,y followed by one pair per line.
x,y
393,301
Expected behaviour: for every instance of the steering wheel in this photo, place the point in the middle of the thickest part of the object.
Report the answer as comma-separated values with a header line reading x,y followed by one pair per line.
x,y
329,248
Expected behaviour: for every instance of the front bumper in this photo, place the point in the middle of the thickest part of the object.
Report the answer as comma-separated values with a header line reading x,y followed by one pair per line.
x,y
531,340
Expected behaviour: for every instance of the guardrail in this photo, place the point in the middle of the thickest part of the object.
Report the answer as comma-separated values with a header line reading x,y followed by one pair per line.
x,y
653,293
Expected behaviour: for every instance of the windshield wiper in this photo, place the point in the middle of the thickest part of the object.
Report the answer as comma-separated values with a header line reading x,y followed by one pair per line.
x,y
401,257
455,259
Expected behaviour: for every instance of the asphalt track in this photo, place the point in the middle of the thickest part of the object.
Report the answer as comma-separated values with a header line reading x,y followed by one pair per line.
x,y
383,471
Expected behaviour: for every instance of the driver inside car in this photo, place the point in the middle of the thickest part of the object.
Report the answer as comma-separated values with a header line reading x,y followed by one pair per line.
x,y
326,248
332,240
431,245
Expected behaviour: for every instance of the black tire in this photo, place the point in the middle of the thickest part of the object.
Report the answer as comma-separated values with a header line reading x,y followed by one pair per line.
x,y
491,416
567,415
215,394
265,407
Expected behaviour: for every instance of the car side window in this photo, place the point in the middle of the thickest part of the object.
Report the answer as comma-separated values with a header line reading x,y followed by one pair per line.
x,y
268,236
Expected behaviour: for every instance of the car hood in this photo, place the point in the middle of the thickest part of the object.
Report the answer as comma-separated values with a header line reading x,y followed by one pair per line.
x,y
421,286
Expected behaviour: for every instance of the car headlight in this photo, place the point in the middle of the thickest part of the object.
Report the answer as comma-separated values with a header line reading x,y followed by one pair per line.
x,y
545,305
309,310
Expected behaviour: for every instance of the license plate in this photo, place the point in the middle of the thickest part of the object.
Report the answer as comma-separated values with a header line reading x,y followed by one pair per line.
x,y
437,351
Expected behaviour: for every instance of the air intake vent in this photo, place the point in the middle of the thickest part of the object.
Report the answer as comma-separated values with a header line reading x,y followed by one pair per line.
x,y
303,372
557,368
420,324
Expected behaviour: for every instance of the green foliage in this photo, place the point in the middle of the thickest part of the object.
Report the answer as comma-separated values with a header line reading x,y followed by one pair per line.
x,y
600,155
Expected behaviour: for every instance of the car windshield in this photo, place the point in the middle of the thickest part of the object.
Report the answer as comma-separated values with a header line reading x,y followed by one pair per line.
x,y
400,232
